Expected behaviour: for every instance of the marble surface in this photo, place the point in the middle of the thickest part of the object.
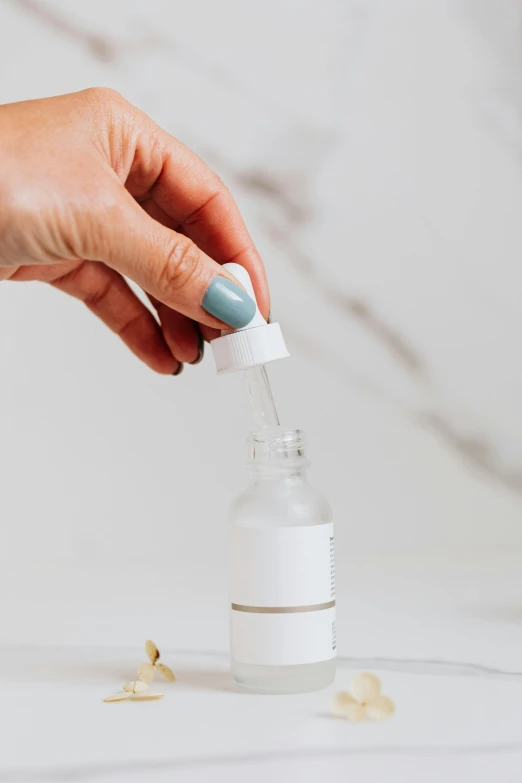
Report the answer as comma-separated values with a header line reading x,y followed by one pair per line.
x,y
375,151
449,658
449,723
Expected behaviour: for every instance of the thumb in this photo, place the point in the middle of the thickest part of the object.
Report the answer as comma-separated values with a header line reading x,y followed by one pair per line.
x,y
170,267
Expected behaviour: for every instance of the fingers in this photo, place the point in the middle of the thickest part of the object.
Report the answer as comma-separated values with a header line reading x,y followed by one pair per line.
x,y
167,265
169,324
184,337
109,297
181,334
196,200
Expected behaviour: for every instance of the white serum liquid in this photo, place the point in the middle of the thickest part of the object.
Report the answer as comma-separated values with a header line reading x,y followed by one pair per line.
x,y
293,510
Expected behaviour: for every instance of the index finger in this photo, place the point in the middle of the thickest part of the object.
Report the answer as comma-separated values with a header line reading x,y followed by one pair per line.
x,y
200,205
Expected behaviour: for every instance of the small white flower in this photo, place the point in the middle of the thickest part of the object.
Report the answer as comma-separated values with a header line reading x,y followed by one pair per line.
x,y
119,696
364,687
146,671
380,708
136,690
362,700
165,671
355,713
341,700
134,687
152,651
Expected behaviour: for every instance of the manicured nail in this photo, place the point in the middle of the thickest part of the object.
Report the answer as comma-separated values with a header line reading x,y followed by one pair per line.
x,y
228,302
179,370
201,349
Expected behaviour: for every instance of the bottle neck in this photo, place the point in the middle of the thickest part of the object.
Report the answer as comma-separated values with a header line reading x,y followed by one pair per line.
x,y
276,454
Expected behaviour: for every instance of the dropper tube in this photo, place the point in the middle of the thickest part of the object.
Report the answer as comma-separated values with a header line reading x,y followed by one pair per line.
x,y
261,397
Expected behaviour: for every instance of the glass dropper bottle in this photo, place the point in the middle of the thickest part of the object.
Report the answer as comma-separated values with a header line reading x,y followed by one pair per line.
x,y
281,568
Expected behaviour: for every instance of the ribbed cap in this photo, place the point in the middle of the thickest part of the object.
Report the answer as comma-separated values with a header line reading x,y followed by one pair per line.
x,y
254,344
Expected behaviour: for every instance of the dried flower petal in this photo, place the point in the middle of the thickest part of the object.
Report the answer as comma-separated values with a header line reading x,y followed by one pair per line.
x,y
380,708
340,702
137,685
119,696
146,696
365,687
152,651
168,673
355,712
146,672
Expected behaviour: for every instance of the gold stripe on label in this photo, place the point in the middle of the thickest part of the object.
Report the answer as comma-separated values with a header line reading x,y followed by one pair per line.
x,y
282,609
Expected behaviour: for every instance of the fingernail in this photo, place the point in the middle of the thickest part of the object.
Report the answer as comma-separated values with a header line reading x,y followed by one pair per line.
x,y
179,370
201,348
228,302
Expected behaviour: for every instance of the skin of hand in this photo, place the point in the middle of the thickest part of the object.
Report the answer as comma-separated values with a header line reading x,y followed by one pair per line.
x,y
93,191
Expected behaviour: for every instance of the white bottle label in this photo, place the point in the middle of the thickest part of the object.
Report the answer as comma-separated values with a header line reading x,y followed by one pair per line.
x,y
282,593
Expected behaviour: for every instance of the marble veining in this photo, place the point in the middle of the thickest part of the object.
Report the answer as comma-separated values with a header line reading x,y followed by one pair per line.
x,y
375,151
292,209
217,763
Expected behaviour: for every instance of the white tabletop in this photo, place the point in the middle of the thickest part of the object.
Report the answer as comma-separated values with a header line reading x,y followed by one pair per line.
x,y
448,658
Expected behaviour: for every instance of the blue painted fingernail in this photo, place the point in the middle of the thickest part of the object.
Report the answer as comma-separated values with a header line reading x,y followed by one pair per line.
x,y
228,302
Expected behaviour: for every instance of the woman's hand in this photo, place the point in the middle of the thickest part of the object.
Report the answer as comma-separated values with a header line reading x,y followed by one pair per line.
x,y
91,190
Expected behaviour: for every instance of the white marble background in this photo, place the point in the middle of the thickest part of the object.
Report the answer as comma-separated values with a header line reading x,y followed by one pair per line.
x,y
376,150
375,147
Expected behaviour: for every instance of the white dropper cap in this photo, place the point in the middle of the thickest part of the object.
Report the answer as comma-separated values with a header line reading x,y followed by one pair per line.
x,y
253,344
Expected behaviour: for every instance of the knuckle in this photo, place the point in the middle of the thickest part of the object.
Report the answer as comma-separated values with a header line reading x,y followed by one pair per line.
x,y
97,292
125,328
182,265
217,183
219,189
102,94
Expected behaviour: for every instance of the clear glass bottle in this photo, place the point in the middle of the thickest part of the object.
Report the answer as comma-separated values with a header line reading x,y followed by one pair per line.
x,y
282,572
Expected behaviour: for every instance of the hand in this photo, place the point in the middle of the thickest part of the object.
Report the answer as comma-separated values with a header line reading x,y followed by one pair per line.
x,y
92,190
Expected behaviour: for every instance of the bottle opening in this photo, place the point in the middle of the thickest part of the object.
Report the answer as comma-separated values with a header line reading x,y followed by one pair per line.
x,y
277,448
